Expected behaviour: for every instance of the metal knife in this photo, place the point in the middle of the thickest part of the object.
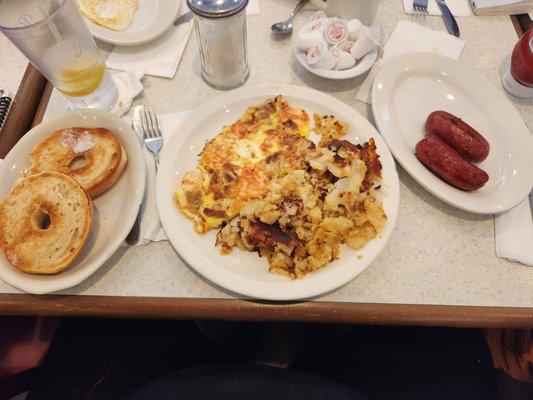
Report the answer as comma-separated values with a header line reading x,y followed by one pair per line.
x,y
449,19
135,234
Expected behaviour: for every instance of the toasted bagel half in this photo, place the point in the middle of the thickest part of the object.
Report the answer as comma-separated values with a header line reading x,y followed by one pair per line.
x,y
94,157
45,222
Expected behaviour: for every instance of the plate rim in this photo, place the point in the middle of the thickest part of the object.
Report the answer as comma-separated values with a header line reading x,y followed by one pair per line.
x,y
136,199
97,33
404,59
166,207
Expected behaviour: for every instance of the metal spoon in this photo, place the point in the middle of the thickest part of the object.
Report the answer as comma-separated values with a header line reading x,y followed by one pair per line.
x,y
285,27
184,18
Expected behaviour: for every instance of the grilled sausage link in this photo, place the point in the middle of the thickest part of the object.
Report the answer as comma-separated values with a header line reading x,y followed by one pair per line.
x,y
458,134
448,165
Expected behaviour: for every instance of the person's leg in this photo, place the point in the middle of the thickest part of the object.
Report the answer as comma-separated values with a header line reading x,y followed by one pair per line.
x,y
243,382
80,354
107,359
405,363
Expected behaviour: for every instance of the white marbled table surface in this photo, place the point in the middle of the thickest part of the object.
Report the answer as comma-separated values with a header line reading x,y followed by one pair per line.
x,y
436,255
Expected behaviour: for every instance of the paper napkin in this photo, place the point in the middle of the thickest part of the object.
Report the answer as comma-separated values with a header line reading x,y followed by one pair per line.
x,y
151,229
409,37
128,85
459,8
514,234
159,57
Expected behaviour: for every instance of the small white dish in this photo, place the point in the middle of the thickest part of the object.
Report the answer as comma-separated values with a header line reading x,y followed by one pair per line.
x,y
245,272
360,67
151,20
114,211
409,87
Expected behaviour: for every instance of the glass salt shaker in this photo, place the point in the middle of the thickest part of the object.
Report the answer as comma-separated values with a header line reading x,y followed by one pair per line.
x,y
221,34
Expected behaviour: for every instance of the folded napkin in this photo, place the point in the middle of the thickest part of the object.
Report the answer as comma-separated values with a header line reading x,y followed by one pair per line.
x,y
409,37
151,229
459,8
514,234
159,57
128,86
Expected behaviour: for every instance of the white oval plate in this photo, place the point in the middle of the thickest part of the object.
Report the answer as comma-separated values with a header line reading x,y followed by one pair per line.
x,y
151,20
360,67
245,272
409,87
114,211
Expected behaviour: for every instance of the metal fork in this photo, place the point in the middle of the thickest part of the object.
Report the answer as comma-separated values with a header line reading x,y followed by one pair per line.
x,y
420,6
151,132
146,125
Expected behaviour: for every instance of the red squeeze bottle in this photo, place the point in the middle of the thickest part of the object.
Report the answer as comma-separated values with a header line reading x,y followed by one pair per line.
x,y
519,80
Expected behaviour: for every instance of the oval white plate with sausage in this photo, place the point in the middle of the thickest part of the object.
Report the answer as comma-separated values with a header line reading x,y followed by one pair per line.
x,y
409,87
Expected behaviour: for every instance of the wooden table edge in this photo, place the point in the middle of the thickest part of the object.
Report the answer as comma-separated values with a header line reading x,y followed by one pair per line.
x,y
521,23
231,309
20,119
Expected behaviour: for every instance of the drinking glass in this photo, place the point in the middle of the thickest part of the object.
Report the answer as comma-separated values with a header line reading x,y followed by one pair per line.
x,y
54,37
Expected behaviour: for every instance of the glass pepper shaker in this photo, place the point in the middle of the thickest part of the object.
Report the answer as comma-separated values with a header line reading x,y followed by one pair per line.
x,y
221,34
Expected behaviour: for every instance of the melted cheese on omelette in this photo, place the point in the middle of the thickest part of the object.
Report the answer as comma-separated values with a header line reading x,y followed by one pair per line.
x,y
237,165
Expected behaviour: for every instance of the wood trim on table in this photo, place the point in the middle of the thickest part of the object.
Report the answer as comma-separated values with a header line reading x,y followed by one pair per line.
x,y
33,108
228,309
43,104
25,104
521,23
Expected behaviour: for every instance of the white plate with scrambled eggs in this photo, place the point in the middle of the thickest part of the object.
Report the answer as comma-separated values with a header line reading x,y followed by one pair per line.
x,y
242,270
129,22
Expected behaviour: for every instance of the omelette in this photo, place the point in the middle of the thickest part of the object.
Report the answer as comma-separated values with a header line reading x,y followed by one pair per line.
x,y
116,15
237,165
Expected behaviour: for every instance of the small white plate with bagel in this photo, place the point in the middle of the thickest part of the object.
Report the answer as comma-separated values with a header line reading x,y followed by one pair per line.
x,y
68,199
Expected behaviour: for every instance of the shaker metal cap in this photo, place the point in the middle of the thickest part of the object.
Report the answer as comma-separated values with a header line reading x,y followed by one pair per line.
x,y
216,8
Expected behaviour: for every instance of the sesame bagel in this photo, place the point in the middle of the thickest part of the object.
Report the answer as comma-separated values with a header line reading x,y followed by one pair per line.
x,y
94,157
45,223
